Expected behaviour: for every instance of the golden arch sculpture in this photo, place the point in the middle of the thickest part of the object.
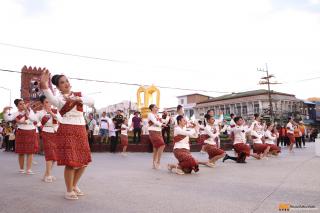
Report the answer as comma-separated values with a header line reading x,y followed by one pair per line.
x,y
147,98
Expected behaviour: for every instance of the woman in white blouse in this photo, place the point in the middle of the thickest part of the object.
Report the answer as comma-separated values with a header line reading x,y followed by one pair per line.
x,y
26,143
72,140
259,147
290,133
211,142
270,140
181,149
49,118
155,135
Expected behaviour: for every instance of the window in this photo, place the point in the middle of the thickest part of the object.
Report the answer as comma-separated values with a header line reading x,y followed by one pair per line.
x,y
244,110
238,109
181,101
222,108
187,113
228,110
216,109
256,108
232,110
191,112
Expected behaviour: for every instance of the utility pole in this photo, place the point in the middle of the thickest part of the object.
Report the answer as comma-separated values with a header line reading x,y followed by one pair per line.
x,y
266,80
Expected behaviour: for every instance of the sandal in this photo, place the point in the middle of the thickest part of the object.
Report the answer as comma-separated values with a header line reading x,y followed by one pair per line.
x,y
30,172
211,165
157,165
179,171
77,191
47,179
153,165
22,171
71,196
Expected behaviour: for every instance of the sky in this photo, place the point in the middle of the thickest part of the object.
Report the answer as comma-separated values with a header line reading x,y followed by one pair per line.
x,y
207,45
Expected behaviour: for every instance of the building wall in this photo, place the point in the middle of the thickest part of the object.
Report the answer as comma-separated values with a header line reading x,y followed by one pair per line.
x,y
247,106
196,98
183,100
317,109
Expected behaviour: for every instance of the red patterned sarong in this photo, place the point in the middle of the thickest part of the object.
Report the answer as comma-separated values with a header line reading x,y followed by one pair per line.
x,y
291,138
156,139
26,141
274,147
241,147
124,140
37,143
72,146
49,145
202,138
186,162
259,147
212,150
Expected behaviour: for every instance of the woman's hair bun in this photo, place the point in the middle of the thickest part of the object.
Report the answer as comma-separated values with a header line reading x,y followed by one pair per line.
x,y
16,101
42,98
55,79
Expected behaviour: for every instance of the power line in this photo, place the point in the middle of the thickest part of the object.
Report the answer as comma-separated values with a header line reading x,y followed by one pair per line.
x,y
308,79
62,53
127,84
119,61
301,80
89,57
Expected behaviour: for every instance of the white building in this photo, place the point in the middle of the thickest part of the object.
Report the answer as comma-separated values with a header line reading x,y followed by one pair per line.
x,y
248,103
189,103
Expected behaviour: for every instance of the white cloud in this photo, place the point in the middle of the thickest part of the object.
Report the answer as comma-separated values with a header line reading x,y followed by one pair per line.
x,y
314,2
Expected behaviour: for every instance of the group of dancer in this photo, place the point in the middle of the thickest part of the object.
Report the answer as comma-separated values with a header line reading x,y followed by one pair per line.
x,y
264,138
63,132
65,138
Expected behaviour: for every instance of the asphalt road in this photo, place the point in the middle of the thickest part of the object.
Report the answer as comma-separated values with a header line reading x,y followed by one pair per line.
x,y
114,183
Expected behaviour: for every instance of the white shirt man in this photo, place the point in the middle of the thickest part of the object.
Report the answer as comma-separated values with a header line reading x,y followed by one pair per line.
x,y
166,120
104,122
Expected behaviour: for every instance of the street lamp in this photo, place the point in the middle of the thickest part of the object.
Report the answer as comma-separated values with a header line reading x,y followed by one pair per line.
x,y
8,89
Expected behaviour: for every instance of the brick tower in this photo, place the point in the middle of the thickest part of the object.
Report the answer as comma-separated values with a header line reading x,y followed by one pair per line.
x,y
30,86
